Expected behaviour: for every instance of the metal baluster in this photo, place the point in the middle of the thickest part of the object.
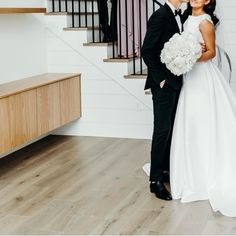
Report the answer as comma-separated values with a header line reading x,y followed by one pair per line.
x,y
140,37
79,11
147,10
73,14
86,14
93,36
99,23
126,30
53,5
113,32
66,5
59,5
120,29
134,66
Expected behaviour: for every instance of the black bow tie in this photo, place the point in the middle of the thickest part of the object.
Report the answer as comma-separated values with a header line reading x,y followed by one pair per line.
x,y
178,12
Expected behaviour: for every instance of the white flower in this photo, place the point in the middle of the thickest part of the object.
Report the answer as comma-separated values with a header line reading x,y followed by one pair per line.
x,y
180,53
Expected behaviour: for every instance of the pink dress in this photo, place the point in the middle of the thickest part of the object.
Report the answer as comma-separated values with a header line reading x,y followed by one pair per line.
x,y
135,29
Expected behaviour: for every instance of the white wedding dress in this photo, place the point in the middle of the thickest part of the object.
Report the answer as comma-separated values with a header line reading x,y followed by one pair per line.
x,y
203,149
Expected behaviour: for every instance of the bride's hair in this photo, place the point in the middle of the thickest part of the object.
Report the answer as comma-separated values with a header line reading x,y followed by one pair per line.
x,y
208,9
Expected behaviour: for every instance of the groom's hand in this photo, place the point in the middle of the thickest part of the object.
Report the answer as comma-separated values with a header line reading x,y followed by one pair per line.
x,y
162,83
203,45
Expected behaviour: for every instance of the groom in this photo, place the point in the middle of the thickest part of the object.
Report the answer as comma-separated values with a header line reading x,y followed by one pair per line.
x,y
165,87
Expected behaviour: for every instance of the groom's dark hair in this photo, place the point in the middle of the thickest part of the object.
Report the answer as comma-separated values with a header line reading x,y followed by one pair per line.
x,y
208,9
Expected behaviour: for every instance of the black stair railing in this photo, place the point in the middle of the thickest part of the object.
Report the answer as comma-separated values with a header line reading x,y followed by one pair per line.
x,y
128,25
128,20
132,17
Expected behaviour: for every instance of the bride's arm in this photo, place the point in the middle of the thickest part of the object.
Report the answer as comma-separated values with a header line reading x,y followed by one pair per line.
x,y
208,33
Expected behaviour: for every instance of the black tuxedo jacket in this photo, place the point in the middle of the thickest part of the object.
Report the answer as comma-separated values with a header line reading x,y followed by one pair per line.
x,y
161,27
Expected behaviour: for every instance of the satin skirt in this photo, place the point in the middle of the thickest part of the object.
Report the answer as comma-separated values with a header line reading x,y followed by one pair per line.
x,y
203,148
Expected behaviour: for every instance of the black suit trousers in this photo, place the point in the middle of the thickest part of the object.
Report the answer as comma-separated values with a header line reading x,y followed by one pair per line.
x,y
164,107
109,30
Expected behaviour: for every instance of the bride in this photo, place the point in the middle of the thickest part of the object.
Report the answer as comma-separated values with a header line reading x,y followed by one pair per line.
x,y
203,149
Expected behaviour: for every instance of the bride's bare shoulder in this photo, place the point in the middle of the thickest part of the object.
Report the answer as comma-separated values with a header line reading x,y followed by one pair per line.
x,y
206,25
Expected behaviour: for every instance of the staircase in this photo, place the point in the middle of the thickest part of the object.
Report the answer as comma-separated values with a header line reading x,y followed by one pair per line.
x,y
113,98
83,15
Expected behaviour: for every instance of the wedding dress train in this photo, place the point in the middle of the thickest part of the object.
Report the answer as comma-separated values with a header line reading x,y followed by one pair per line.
x,y
203,149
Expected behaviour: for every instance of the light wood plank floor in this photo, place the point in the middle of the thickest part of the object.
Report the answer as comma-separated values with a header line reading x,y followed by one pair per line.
x,y
87,185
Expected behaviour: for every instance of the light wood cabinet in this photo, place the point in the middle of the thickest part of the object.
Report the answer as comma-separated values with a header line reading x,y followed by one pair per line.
x,y
23,120
37,105
48,104
70,104
5,141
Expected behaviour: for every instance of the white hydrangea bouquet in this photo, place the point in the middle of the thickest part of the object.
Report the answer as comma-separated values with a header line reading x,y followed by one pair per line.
x,y
180,53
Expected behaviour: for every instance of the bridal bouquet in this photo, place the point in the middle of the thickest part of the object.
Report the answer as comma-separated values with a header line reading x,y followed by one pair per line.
x,y
180,53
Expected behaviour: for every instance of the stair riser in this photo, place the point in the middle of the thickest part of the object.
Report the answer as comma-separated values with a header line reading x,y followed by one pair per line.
x,y
96,36
82,20
76,6
137,65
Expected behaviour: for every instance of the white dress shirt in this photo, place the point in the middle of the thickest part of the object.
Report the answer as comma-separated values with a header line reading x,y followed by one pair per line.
x,y
177,17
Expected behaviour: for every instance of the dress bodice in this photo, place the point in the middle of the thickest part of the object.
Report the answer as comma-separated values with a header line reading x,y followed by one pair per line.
x,y
192,25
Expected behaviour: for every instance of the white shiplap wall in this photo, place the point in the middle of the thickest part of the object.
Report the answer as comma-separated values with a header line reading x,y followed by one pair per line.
x,y
21,3
22,42
227,31
111,105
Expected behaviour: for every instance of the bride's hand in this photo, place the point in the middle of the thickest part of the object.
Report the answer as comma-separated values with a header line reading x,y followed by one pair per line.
x,y
203,45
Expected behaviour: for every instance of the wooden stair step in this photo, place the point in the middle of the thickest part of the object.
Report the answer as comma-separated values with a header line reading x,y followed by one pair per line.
x,y
81,28
55,13
118,59
148,92
70,13
74,0
143,76
98,44
138,75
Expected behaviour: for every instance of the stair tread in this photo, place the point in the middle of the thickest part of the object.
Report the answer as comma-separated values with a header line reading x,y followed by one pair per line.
x,y
74,0
98,44
70,13
118,59
138,75
80,28
56,13
131,76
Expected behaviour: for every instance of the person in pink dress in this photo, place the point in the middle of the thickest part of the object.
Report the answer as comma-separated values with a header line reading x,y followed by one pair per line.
x,y
131,26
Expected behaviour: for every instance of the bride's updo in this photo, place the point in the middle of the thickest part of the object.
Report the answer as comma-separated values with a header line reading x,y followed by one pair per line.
x,y
209,9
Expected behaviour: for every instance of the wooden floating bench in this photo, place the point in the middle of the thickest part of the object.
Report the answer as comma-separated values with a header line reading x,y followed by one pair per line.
x,y
34,106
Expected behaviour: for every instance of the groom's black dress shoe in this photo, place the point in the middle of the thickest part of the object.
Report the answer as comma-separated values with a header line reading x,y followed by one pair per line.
x,y
160,191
